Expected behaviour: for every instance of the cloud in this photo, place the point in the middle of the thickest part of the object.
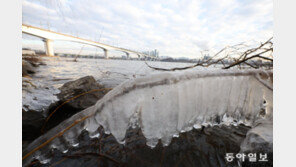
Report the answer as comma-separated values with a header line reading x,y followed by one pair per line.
x,y
175,28
202,44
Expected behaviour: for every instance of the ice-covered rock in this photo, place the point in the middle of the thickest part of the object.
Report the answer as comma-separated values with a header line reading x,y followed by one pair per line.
x,y
164,105
259,141
260,138
36,96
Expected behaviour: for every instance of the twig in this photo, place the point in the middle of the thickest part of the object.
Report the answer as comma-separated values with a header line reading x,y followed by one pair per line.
x,y
255,56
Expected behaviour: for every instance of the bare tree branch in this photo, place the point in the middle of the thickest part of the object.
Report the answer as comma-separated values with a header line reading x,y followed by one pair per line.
x,y
207,63
245,59
235,50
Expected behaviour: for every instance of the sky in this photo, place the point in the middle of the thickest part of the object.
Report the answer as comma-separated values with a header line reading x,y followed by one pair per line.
x,y
176,28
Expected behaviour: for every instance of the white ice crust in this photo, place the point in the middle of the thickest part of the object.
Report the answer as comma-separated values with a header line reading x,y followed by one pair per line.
x,y
166,104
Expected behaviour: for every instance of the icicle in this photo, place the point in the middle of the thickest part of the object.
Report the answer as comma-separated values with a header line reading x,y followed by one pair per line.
x,y
60,144
71,136
91,125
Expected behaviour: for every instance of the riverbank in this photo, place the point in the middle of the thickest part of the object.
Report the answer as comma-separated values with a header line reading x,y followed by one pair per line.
x,y
45,106
61,88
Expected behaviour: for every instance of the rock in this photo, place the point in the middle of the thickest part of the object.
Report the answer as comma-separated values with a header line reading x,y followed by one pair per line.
x,y
32,121
27,68
72,106
259,140
34,60
79,86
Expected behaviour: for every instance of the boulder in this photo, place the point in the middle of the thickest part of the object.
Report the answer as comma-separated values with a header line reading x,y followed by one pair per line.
x,y
34,60
27,68
78,87
259,140
74,97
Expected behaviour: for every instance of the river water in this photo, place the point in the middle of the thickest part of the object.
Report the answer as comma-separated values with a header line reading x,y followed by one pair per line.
x,y
59,70
107,71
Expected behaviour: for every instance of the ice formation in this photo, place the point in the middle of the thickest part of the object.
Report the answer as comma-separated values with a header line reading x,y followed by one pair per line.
x,y
164,105
39,97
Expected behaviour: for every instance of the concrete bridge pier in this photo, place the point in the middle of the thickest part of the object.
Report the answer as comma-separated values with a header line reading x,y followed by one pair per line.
x,y
127,55
48,44
106,53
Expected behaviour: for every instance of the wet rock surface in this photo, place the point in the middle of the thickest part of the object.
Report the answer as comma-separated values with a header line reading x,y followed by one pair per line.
x,y
205,147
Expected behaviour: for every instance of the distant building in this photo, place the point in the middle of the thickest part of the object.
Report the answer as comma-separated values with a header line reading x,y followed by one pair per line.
x,y
153,53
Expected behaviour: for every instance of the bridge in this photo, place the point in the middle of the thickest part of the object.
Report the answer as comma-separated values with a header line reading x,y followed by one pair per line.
x,y
50,36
